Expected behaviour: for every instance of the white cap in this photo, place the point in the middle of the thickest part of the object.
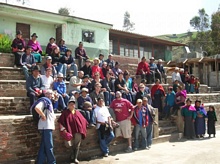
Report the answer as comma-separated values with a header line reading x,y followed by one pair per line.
x,y
60,75
177,69
160,60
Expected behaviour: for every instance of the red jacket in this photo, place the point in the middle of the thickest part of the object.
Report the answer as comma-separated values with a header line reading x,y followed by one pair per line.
x,y
136,116
143,66
95,69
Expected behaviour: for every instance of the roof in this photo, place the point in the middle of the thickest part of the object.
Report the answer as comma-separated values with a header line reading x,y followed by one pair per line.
x,y
35,11
144,37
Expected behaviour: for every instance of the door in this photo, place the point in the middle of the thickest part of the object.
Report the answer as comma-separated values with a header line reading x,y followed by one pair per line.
x,y
25,29
58,34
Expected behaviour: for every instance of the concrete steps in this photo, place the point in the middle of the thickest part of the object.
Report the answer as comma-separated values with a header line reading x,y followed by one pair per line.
x,y
205,97
10,73
14,105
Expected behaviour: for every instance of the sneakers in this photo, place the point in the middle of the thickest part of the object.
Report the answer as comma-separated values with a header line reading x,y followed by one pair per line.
x,y
135,149
91,125
129,150
106,155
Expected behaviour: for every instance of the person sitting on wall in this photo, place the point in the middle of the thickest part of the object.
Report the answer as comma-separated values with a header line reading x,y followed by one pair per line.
x,y
49,64
161,71
96,68
76,82
101,59
50,45
47,79
62,47
110,61
34,85
60,87
143,69
36,48
176,75
69,63
56,60
80,54
154,70
116,69
18,48
104,69
27,61
87,68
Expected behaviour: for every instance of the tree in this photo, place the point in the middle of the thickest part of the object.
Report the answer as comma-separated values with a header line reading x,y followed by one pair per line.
x,y
215,34
201,22
64,11
128,25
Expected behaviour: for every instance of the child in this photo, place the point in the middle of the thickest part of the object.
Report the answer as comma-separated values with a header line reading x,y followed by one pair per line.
x,y
192,84
211,120
169,102
197,85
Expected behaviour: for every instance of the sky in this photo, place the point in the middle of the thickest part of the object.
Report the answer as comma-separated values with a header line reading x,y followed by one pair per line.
x,y
153,18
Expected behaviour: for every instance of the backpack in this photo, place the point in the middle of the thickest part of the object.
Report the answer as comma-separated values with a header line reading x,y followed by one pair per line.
x,y
47,102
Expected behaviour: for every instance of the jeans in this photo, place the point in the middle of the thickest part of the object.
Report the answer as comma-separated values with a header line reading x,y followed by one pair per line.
x,y
59,68
60,103
139,129
33,97
106,141
46,148
89,116
72,67
127,96
25,70
149,130
107,98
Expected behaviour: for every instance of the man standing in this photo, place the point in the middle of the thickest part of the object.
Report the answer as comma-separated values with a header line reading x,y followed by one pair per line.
x,y
149,128
80,54
27,61
46,126
123,110
104,126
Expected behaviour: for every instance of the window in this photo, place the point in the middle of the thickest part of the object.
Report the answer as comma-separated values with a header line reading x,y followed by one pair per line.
x,y
88,36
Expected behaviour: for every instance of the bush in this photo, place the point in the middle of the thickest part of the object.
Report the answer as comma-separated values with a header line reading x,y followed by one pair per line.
x,y
5,43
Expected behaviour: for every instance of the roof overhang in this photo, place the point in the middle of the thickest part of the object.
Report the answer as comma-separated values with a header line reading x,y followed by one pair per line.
x,y
21,12
144,38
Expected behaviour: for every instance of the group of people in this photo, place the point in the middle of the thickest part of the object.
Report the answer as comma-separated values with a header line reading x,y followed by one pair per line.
x,y
92,90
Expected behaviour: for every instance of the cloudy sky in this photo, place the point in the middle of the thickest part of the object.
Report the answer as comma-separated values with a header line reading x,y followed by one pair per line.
x,y
151,18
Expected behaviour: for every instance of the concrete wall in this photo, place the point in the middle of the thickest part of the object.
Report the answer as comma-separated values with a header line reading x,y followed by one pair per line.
x,y
43,30
72,33
213,79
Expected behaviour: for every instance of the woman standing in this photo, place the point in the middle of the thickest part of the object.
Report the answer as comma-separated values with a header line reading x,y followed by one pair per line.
x,y
157,93
36,48
200,119
189,115
211,120
73,122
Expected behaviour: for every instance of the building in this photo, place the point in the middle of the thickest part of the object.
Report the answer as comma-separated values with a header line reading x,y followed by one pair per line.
x,y
94,34
136,45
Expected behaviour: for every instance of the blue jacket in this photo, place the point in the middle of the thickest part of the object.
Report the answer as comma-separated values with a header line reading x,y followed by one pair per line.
x,y
60,87
81,101
32,83
170,98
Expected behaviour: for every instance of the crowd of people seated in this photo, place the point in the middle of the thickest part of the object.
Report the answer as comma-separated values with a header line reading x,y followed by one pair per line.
x,y
94,87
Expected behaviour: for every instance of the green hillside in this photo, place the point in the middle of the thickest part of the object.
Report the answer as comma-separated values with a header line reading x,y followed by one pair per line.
x,y
179,38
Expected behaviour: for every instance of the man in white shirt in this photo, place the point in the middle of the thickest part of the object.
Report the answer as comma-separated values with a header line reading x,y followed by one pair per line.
x,y
47,79
104,126
176,75
46,125
76,83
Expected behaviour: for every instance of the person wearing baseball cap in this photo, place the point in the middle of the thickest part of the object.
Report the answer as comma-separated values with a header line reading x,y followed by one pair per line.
x,y
60,87
110,61
123,110
72,121
154,72
96,68
101,59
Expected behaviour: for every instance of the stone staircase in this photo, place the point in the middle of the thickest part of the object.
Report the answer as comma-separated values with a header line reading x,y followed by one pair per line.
x,y
19,138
